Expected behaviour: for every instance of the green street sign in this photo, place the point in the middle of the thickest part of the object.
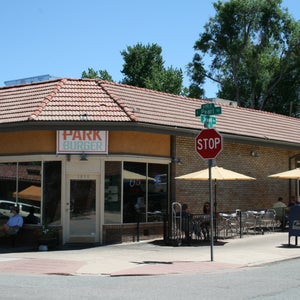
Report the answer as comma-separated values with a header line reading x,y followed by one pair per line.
x,y
208,121
208,109
198,112
217,110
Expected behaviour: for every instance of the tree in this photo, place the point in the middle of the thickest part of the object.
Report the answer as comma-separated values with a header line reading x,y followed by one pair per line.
x,y
196,72
253,45
144,67
92,74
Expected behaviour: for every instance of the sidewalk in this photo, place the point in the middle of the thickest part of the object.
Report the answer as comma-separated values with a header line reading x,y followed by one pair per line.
x,y
153,257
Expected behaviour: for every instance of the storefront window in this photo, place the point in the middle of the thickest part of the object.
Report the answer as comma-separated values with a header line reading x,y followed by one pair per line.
x,y
8,186
134,192
52,193
20,183
145,192
112,204
157,191
29,188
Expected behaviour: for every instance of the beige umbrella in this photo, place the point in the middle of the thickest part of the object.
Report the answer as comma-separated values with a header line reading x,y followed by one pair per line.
x,y
129,175
217,173
291,174
32,193
133,176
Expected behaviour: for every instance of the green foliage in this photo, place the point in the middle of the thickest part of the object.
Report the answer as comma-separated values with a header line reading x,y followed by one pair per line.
x,y
92,74
196,72
144,67
254,48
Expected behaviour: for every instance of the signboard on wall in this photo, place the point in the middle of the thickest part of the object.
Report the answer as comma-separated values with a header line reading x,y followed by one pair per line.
x,y
79,141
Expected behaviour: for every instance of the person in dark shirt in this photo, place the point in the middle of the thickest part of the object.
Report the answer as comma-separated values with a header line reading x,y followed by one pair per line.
x,y
206,220
186,221
31,218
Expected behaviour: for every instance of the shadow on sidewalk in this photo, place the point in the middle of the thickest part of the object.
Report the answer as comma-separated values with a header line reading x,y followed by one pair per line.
x,y
183,243
20,249
287,246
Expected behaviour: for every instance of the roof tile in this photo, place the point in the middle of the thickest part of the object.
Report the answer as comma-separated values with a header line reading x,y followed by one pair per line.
x,y
102,101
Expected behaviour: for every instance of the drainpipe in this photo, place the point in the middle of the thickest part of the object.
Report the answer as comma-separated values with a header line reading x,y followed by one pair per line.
x,y
172,182
173,169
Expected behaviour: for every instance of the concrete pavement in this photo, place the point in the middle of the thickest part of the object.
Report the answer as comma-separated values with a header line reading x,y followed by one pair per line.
x,y
153,257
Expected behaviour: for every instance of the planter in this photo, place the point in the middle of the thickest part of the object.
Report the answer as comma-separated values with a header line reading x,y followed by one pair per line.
x,y
46,243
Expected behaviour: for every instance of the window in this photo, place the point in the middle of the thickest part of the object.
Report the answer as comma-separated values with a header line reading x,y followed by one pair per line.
x,y
112,202
134,192
157,191
145,191
52,192
20,183
8,181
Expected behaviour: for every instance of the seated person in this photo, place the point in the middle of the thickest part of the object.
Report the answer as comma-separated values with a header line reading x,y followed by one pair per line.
x,y
292,201
280,209
31,218
14,223
206,222
186,221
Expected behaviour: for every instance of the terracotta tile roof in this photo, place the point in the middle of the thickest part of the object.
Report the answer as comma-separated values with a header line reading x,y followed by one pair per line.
x,y
165,109
65,100
75,100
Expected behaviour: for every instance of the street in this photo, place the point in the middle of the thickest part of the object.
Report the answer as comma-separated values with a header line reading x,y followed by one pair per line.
x,y
279,280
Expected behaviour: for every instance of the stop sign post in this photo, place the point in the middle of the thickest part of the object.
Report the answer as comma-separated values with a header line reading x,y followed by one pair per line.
x,y
209,143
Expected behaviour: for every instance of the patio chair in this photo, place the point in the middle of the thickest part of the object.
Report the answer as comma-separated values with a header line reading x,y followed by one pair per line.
x,y
281,216
268,220
249,221
201,226
228,224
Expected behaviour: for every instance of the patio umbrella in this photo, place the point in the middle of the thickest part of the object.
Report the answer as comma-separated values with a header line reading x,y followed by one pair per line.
x,y
133,176
291,174
31,193
129,175
217,173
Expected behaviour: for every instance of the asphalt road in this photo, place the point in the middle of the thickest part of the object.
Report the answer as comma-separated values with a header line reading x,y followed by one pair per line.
x,y
279,280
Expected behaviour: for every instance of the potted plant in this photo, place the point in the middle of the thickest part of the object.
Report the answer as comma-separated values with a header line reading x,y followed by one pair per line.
x,y
48,237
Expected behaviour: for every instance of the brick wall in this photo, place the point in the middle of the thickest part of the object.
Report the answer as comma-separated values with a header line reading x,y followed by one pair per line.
x,y
231,195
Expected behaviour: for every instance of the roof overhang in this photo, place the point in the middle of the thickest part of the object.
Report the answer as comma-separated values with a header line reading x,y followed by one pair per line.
x,y
143,127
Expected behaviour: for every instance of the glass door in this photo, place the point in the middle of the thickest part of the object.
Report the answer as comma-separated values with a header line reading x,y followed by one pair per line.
x,y
82,217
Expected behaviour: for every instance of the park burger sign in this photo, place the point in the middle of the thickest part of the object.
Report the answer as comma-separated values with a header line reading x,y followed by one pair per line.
x,y
209,143
81,141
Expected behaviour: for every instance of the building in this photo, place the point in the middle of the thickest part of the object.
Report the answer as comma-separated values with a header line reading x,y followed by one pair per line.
x,y
102,157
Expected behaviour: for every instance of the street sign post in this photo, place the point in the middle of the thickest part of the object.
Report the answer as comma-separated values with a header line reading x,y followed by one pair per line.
x,y
209,143
208,110
208,121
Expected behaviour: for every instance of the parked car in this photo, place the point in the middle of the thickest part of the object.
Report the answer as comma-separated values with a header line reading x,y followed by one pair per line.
x,y
5,206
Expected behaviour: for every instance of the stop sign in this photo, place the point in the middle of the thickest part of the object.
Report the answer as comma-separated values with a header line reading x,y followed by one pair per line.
x,y
209,143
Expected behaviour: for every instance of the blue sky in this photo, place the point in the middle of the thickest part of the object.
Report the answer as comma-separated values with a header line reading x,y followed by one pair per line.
x,y
65,37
